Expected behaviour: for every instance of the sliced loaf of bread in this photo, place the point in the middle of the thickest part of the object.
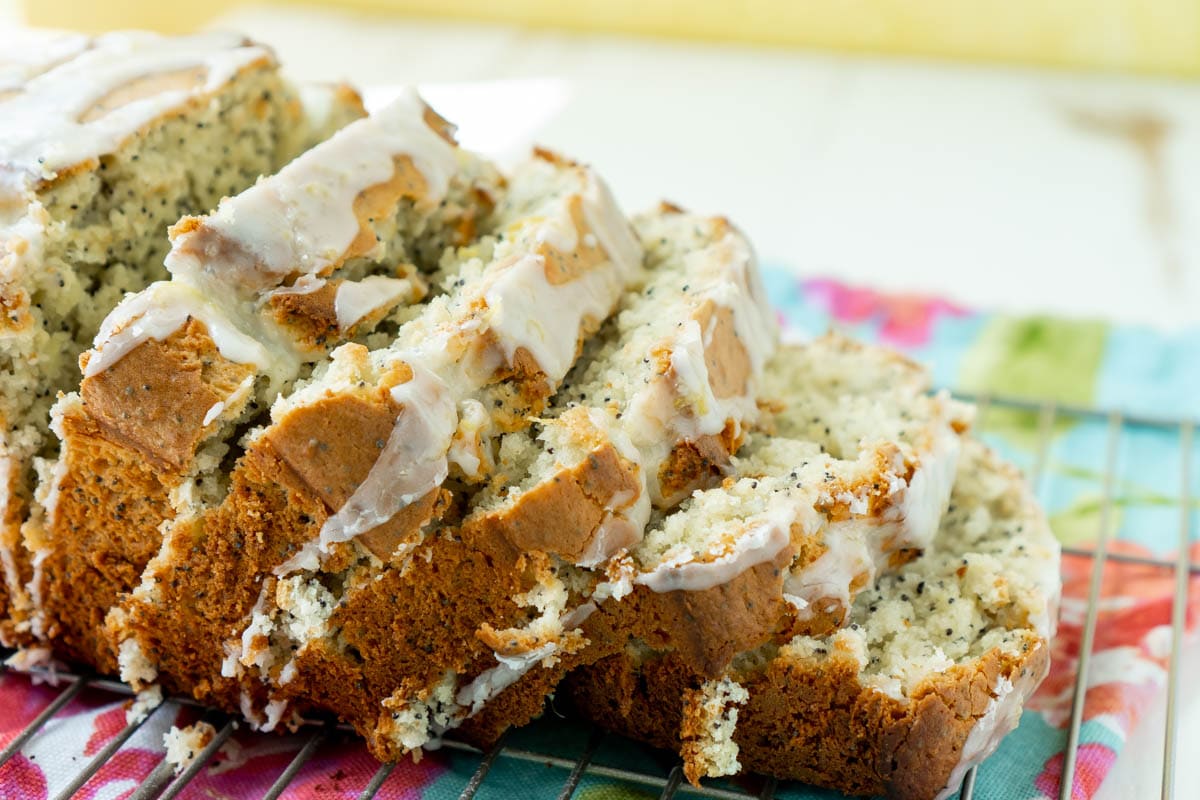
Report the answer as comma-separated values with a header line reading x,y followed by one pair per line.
x,y
579,488
854,478
930,672
104,142
380,445
336,245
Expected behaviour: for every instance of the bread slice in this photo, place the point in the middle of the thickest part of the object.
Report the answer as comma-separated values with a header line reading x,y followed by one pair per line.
x,y
104,142
352,470
854,479
260,289
930,672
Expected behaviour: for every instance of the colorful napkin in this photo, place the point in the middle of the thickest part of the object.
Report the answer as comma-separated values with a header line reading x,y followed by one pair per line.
x,y
1136,371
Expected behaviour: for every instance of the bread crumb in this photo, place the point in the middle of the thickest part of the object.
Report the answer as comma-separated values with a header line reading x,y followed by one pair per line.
x,y
143,704
184,744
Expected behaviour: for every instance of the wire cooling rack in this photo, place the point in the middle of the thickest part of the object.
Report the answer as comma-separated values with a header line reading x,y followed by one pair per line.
x,y
164,784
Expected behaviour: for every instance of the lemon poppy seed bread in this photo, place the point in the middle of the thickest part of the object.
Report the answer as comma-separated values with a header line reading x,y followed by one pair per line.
x,y
104,143
357,424
336,246
845,477
578,488
929,674
357,462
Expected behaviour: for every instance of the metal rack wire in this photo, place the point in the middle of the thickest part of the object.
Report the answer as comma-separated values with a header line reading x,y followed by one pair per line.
x,y
164,784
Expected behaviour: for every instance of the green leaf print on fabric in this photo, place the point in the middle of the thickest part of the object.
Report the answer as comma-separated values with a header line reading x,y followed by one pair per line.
x,y
1034,358
1080,521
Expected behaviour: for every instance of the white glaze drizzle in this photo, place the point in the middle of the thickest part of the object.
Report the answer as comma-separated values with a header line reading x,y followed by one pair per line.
x,y
467,451
857,545
412,463
156,313
42,133
305,284
530,312
302,219
848,552
491,682
28,53
770,535
928,492
356,299
681,405
238,394
608,225
522,310
627,513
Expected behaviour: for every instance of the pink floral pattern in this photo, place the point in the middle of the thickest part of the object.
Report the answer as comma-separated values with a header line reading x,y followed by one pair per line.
x,y
905,320
1129,659
1093,763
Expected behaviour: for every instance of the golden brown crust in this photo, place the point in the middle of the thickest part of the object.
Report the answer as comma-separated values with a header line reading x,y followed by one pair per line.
x,y
693,727
403,528
561,515
268,515
111,501
156,398
878,496
699,463
378,201
707,628
14,609
310,317
328,448
725,356
144,86
391,647
521,390
814,721
440,125
283,489
332,443
583,258
15,316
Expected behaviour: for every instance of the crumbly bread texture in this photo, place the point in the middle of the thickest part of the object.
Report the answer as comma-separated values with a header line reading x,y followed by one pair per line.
x,y
929,674
379,447
778,549
184,745
854,478
658,403
260,290
564,484
104,143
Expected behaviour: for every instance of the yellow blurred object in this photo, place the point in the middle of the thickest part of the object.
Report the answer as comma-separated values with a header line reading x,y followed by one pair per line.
x,y
1155,36
95,16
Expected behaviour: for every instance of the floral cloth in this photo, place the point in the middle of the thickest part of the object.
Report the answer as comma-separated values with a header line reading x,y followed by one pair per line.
x,y
1133,370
